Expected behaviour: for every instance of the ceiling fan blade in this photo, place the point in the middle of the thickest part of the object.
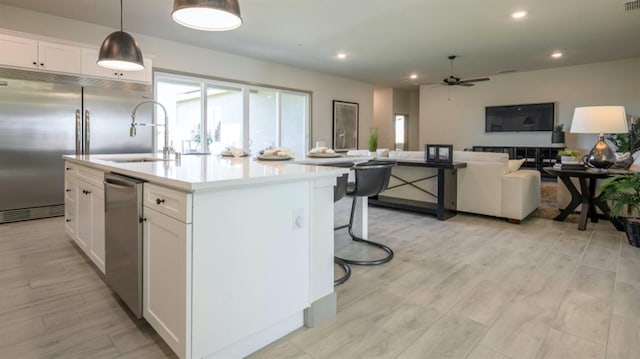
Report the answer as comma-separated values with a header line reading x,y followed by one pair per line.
x,y
475,80
465,84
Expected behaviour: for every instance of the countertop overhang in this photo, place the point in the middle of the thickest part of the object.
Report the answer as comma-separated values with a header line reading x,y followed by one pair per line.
x,y
194,173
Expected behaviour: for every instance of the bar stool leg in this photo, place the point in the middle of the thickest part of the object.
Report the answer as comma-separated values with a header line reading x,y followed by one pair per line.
x,y
355,238
347,271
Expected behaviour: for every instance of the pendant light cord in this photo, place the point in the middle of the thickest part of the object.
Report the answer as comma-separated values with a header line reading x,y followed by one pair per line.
x,y
120,15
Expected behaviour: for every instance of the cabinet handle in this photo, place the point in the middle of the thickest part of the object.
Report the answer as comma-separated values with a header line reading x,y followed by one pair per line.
x,y
121,74
68,168
35,63
67,190
88,192
67,220
159,201
42,64
142,219
115,73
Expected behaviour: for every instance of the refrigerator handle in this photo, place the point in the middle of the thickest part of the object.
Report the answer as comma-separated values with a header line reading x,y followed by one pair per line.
x,y
78,133
87,131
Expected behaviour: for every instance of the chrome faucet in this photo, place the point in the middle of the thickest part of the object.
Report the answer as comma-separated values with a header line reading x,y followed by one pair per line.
x,y
132,131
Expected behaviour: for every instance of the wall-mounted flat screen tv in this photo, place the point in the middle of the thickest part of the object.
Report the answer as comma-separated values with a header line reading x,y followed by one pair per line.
x,y
520,118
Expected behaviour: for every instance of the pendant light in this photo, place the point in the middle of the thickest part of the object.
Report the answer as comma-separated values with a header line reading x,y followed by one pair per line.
x,y
207,15
120,51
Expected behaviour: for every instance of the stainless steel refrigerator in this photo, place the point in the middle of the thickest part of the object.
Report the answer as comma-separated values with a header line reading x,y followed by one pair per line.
x,y
40,122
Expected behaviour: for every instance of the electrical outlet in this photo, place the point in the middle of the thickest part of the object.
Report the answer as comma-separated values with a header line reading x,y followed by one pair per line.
x,y
298,218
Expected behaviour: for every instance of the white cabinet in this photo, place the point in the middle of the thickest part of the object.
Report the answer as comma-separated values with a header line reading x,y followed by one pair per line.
x,y
58,57
84,211
43,55
35,54
18,51
167,251
91,68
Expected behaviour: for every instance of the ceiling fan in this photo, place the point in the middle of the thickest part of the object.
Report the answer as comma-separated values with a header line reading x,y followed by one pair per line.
x,y
456,81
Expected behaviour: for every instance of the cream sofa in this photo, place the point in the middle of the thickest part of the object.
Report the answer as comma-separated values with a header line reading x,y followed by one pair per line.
x,y
486,186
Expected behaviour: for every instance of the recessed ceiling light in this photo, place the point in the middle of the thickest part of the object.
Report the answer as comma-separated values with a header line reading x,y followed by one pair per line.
x,y
341,55
519,14
413,76
557,54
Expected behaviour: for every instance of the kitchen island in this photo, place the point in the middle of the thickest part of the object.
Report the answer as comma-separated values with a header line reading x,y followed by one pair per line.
x,y
237,252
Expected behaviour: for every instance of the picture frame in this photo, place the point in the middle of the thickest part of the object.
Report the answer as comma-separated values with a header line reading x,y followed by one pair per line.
x,y
345,125
445,153
431,153
435,153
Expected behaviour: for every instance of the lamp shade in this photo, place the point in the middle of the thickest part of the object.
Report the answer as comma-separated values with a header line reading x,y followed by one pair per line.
x,y
120,51
599,119
208,15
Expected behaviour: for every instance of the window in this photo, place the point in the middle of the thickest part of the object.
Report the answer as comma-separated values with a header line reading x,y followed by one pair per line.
x,y
233,115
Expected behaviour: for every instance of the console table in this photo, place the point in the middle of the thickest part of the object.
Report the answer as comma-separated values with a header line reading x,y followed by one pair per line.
x,y
411,190
586,196
535,157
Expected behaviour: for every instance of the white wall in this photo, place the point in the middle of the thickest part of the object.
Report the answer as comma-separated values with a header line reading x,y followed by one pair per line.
x,y
460,120
383,113
185,58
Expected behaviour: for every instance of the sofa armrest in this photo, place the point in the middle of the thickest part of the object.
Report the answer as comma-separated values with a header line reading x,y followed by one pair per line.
x,y
520,194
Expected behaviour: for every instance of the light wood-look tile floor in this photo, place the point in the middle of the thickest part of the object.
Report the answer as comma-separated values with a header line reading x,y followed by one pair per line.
x,y
470,287
54,304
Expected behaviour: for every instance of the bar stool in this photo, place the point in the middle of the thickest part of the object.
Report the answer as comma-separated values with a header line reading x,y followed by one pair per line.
x,y
339,191
371,179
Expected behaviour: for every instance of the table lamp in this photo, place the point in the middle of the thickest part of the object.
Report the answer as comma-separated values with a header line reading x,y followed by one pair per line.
x,y
600,119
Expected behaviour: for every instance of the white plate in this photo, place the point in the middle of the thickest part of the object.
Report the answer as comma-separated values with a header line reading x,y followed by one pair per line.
x,y
273,158
323,155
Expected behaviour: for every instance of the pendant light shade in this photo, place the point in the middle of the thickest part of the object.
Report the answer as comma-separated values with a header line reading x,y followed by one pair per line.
x,y
207,15
120,51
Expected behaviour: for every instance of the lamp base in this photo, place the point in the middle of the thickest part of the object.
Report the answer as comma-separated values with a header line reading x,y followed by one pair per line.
x,y
601,155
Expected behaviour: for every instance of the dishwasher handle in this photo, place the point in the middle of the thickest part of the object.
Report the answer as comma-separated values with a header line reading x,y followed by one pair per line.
x,y
118,184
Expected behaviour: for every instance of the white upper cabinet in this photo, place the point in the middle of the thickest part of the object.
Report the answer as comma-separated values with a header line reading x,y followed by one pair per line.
x,y
35,54
43,55
91,68
58,57
18,51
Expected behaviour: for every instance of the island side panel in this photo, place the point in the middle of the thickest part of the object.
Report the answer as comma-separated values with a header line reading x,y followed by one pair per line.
x,y
321,222
250,266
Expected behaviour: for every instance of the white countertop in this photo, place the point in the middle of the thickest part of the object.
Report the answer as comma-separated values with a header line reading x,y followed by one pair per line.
x,y
210,172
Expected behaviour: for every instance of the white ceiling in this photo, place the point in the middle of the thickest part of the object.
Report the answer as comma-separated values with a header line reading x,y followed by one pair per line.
x,y
388,40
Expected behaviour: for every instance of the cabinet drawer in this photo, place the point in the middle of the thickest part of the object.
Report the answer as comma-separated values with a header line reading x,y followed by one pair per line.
x,y
170,202
90,175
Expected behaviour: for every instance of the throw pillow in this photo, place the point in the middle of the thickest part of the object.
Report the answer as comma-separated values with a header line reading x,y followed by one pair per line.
x,y
514,165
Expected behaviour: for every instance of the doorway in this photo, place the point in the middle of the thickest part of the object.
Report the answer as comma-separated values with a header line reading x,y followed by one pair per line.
x,y
400,124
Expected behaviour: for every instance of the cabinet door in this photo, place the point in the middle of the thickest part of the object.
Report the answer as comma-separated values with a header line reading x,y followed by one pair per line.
x,y
58,57
83,216
70,197
96,244
18,51
91,68
167,243
142,76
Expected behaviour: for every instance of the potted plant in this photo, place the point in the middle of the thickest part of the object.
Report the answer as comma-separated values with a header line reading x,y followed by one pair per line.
x,y
557,135
623,192
373,140
627,142
569,156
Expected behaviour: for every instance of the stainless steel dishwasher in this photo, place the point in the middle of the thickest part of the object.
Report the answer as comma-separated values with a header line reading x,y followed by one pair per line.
x,y
123,238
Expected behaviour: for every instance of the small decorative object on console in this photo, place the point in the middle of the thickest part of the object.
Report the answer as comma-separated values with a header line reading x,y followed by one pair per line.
x,y
439,153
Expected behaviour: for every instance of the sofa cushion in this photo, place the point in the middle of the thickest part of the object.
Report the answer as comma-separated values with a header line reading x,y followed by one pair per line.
x,y
514,165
